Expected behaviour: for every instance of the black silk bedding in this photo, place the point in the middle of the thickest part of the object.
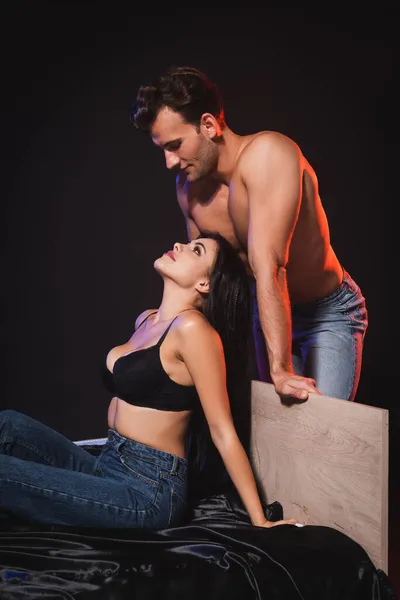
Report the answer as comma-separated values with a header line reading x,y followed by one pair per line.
x,y
217,555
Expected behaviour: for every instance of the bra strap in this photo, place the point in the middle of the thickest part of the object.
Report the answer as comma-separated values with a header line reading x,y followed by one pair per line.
x,y
164,335
145,319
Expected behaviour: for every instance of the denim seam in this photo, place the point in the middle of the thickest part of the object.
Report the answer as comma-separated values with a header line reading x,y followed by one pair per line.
x,y
79,498
351,387
175,493
353,378
171,506
355,350
179,496
175,478
143,478
8,440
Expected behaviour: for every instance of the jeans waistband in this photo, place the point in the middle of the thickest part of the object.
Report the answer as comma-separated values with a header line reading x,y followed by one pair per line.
x,y
166,460
346,280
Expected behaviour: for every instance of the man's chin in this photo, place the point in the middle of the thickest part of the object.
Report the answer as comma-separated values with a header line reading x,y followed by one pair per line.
x,y
192,177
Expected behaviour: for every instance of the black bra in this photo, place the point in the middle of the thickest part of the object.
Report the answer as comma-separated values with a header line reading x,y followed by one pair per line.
x,y
139,379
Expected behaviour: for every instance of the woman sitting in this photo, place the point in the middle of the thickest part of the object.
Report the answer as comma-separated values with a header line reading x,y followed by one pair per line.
x,y
169,379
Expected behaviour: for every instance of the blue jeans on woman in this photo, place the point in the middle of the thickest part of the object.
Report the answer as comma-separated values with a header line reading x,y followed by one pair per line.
x,y
46,478
327,340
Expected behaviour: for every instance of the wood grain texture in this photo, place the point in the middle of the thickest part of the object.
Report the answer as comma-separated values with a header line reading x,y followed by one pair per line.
x,y
326,462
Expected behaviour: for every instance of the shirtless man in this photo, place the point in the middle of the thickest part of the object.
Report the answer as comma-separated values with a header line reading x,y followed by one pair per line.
x,y
260,192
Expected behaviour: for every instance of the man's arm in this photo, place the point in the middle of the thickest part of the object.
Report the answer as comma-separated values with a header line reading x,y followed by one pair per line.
x,y
271,172
181,192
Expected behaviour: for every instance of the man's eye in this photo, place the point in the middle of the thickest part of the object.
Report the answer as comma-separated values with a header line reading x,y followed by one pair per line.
x,y
174,147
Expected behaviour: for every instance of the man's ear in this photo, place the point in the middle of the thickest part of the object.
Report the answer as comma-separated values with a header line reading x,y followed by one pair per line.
x,y
203,286
209,126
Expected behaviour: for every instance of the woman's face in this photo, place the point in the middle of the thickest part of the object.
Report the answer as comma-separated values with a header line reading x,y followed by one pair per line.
x,y
189,265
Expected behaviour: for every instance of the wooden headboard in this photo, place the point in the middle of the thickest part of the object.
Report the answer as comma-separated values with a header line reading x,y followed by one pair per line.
x,y
326,462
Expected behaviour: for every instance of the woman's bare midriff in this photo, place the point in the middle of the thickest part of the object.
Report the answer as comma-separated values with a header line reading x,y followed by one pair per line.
x,y
160,429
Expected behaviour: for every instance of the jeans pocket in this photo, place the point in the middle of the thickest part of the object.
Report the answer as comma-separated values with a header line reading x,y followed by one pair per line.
x,y
143,469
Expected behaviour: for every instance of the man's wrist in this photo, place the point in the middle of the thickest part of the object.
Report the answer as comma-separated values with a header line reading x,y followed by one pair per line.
x,y
280,370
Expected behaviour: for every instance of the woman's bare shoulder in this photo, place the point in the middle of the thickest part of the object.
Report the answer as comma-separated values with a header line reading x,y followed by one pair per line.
x,y
194,325
143,315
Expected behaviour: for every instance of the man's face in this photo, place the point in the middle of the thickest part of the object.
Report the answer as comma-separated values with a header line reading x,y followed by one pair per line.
x,y
192,151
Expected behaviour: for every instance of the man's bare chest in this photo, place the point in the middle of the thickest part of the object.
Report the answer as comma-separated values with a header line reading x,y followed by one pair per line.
x,y
224,211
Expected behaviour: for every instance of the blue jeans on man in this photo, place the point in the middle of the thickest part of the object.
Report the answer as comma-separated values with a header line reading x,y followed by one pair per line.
x,y
327,340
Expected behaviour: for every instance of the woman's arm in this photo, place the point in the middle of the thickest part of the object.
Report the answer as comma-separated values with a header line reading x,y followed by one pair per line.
x,y
201,349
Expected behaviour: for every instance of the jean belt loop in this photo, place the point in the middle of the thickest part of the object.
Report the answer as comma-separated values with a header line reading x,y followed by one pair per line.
x,y
175,464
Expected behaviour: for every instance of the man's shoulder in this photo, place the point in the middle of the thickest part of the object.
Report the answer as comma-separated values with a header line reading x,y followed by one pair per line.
x,y
266,140
264,145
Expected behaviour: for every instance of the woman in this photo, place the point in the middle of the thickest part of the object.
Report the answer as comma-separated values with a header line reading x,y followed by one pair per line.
x,y
168,379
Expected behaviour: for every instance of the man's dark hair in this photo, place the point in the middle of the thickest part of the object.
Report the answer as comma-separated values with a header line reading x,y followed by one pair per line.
x,y
185,90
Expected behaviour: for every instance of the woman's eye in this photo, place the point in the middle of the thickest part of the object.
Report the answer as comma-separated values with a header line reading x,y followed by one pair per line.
x,y
197,250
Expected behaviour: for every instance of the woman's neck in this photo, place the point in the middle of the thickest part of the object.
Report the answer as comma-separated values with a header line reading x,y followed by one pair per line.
x,y
171,306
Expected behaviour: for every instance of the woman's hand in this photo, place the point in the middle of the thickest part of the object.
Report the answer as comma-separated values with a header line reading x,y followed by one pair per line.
x,y
267,523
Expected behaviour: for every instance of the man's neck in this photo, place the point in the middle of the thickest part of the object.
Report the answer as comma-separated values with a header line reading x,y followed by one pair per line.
x,y
231,146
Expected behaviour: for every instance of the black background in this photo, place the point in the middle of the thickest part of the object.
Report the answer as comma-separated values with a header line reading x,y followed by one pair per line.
x,y
87,204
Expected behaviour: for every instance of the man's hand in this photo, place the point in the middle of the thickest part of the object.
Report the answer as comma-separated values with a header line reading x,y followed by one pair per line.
x,y
291,386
